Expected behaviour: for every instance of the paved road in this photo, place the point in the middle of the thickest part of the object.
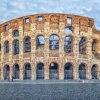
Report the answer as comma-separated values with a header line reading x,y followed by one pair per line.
x,y
49,90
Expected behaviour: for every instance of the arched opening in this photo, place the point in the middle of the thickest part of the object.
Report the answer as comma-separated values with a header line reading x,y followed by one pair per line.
x,y
68,30
40,41
82,71
27,44
94,71
68,44
40,71
6,72
27,71
16,46
82,45
94,46
6,46
54,42
68,71
15,33
53,71
16,71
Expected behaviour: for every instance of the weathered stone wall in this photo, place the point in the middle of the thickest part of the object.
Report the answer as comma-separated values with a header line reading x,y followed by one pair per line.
x,y
51,23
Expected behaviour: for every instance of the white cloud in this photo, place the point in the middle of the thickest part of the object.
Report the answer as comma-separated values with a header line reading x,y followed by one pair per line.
x,y
10,9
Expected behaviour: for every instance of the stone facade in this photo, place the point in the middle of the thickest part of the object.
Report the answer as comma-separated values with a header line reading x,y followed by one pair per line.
x,y
50,24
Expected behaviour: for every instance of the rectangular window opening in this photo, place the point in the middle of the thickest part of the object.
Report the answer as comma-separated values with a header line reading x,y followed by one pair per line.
x,y
6,28
27,20
69,20
89,23
40,18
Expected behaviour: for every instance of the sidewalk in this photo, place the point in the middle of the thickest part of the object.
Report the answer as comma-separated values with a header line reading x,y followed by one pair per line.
x,y
49,81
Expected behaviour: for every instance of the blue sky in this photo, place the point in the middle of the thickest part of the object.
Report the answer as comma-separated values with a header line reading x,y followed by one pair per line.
x,y
10,9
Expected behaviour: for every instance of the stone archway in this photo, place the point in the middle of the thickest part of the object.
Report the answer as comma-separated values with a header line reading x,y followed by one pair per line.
x,y
27,71
82,71
40,71
68,71
16,71
53,71
82,45
6,72
94,71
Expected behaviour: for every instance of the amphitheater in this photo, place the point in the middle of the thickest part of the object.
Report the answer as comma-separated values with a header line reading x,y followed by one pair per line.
x,y
49,46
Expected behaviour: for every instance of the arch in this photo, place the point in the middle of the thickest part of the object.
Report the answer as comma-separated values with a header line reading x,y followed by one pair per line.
x,y
68,71
16,46
40,41
82,71
94,45
68,30
27,44
16,71
40,71
54,71
82,45
94,71
27,71
68,44
6,46
54,42
6,72
15,33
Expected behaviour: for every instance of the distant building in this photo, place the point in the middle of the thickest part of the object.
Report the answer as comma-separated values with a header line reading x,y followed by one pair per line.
x,y
49,46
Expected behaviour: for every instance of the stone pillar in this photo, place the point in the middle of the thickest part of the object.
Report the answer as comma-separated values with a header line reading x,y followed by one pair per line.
x,y
21,66
76,47
46,36
61,72
21,75
46,71
46,55
11,71
76,52
33,63
34,70
2,57
89,43
76,56
88,72
11,54
75,72
46,46
2,72
89,53
61,52
76,41
89,48
61,45
98,74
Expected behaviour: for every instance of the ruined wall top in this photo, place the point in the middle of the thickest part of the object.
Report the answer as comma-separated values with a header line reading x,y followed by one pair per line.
x,y
52,18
